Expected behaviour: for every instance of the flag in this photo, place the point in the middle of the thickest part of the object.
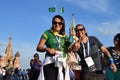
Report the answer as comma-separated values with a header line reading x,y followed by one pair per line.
x,y
62,10
52,9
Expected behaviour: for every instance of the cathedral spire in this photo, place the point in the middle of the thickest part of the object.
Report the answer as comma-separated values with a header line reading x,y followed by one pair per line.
x,y
72,29
9,49
72,26
10,39
73,21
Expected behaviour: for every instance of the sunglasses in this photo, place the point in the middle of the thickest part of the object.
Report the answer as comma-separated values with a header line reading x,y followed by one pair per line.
x,y
59,23
79,30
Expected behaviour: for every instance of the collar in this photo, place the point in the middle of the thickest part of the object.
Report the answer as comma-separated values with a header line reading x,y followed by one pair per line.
x,y
57,34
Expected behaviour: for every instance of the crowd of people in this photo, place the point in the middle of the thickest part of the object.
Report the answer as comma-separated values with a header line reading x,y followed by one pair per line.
x,y
22,74
97,61
14,74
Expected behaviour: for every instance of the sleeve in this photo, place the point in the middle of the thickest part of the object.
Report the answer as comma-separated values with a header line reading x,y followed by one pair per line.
x,y
44,35
98,42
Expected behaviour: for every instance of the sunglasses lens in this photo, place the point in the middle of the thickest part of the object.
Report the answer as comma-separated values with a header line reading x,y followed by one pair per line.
x,y
59,23
79,30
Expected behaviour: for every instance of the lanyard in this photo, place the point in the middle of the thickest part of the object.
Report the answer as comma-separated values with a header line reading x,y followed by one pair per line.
x,y
58,41
88,48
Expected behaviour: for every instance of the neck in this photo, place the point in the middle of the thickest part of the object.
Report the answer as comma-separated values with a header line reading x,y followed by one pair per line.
x,y
84,39
55,31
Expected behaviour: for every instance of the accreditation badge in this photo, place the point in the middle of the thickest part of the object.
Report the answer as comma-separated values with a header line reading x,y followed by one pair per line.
x,y
58,58
90,63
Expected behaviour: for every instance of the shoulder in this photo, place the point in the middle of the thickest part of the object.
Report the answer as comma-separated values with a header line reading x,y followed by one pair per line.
x,y
47,31
92,37
95,40
46,34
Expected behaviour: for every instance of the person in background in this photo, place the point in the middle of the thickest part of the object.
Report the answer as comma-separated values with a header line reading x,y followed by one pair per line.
x,y
20,74
115,53
35,67
31,70
56,41
88,48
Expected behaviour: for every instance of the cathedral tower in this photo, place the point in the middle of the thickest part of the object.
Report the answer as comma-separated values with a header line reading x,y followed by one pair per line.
x,y
9,52
72,29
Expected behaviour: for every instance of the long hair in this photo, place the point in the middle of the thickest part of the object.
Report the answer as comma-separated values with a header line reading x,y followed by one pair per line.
x,y
62,31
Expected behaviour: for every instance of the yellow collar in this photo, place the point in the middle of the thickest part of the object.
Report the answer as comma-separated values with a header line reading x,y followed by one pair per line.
x,y
57,34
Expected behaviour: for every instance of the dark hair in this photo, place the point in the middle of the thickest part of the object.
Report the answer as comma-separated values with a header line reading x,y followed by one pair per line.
x,y
36,54
82,26
117,37
62,31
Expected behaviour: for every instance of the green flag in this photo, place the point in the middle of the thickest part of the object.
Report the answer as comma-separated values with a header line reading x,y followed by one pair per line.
x,y
52,9
62,10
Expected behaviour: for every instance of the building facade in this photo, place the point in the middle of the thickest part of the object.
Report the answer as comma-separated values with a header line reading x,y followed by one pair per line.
x,y
8,60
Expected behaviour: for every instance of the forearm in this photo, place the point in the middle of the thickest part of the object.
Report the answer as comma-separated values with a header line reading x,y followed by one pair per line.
x,y
42,49
106,52
39,62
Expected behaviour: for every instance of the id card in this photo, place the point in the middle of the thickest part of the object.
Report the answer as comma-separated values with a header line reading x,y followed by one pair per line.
x,y
90,63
